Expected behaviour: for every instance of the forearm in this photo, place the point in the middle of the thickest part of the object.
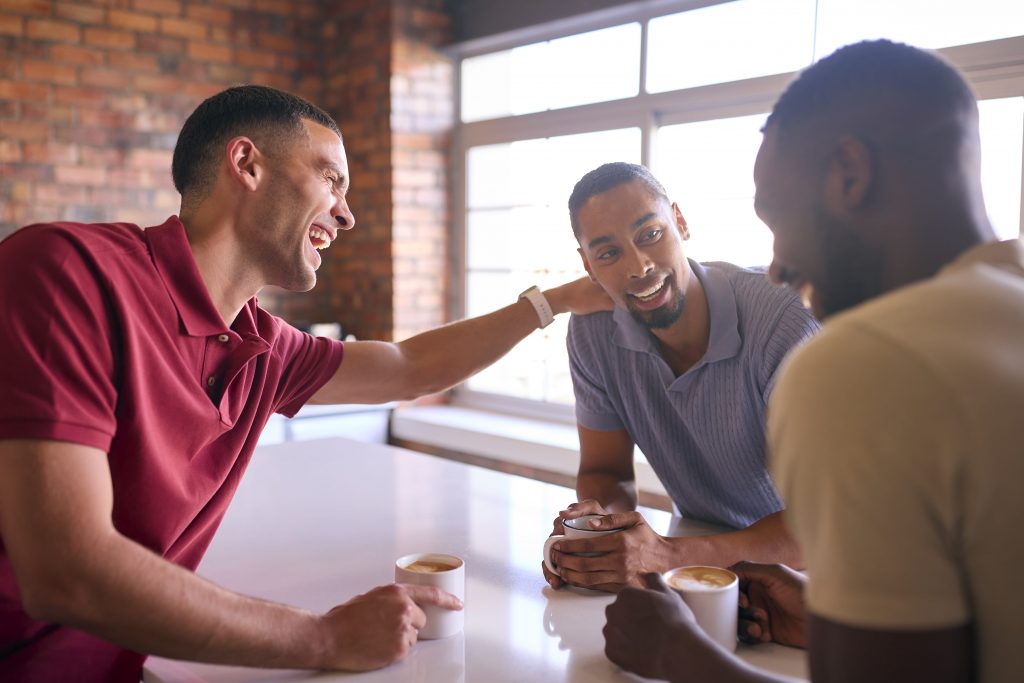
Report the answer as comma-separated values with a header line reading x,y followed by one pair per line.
x,y
767,541
127,595
614,493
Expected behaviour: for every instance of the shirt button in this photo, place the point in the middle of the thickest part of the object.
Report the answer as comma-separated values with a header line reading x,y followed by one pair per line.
x,y
211,380
223,339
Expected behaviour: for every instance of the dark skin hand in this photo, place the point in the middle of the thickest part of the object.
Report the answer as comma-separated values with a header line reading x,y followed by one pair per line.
x,y
771,604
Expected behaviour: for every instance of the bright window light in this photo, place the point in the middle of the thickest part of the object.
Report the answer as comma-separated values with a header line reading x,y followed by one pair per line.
x,y
729,42
707,168
588,67
1002,143
923,23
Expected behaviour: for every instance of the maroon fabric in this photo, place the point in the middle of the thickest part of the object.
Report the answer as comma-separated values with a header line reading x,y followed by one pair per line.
x,y
108,338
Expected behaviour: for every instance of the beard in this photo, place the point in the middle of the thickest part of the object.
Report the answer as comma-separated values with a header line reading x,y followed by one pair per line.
x,y
853,268
663,316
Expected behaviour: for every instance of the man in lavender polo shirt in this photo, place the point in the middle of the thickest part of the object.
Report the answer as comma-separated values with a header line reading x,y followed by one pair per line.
x,y
682,367
138,370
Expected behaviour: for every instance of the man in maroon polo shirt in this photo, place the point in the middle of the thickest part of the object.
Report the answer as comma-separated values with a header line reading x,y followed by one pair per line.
x,y
138,370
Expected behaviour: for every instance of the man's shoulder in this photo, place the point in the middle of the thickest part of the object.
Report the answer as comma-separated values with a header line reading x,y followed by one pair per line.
x,y
42,238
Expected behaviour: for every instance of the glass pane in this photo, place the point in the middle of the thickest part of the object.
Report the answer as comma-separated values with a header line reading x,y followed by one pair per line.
x,y
1002,150
707,167
588,67
924,23
729,42
518,234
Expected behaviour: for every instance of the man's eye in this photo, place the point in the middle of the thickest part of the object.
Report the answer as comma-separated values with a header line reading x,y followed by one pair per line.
x,y
607,255
650,235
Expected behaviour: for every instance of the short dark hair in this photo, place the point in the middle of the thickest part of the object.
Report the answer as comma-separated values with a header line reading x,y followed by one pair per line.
x,y
256,111
863,71
604,178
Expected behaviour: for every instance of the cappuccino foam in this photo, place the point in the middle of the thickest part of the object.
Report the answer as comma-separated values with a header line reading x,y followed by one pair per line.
x,y
701,579
428,566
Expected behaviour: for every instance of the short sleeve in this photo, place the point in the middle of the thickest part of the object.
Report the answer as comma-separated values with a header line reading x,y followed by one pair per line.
x,y
864,449
58,378
309,362
594,409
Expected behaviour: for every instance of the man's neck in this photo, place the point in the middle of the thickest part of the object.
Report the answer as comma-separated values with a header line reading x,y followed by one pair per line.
x,y
221,264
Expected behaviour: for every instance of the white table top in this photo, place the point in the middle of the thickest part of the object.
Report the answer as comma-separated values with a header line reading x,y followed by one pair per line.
x,y
317,522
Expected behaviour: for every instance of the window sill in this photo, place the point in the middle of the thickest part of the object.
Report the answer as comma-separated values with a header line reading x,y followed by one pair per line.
x,y
493,439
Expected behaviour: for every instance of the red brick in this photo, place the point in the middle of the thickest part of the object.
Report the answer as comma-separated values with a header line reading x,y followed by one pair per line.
x,y
115,40
160,84
161,45
52,152
10,150
274,80
11,25
106,78
227,73
80,175
72,95
105,117
49,72
149,158
56,31
170,8
73,54
207,52
15,90
80,14
260,59
61,195
183,28
132,21
134,62
209,15
40,7
100,156
273,41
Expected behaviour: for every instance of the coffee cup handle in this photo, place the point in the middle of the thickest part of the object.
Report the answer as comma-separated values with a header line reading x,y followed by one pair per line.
x,y
547,552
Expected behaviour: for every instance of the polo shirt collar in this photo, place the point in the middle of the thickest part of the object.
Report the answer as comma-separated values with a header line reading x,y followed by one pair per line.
x,y
724,339
172,255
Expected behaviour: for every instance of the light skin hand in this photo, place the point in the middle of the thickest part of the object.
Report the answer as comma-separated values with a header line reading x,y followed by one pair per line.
x,y
379,627
771,604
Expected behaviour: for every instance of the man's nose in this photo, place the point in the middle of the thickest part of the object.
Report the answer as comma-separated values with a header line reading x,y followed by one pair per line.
x,y
343,216
638,262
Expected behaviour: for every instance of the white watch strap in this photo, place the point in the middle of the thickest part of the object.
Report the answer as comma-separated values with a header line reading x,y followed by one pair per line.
x,y
540,304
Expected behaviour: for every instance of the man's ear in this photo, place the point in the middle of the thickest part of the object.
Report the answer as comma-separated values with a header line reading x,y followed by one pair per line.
x,y
684,230
849,175
245,163
586,263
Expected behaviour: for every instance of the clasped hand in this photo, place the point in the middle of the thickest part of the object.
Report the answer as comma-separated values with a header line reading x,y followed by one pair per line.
x,y
624,556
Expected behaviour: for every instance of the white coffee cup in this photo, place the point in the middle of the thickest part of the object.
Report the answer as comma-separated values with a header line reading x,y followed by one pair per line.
x,y
578,527
446,572
712,593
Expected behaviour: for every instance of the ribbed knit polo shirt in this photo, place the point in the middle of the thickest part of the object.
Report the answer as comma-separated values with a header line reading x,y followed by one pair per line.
x,y
703,432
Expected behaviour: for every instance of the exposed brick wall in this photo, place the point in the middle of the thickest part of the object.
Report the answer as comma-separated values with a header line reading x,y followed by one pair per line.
x,y
92,95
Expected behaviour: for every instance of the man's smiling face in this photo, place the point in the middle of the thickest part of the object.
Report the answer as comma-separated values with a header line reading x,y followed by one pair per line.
x,y
631,242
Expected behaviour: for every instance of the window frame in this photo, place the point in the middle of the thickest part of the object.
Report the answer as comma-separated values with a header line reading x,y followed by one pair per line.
x,y
993,68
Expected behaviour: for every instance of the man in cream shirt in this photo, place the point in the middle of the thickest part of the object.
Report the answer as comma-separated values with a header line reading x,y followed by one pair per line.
x,y
896,435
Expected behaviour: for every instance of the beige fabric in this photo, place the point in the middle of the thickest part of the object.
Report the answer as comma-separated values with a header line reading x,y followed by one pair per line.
x,y
897,442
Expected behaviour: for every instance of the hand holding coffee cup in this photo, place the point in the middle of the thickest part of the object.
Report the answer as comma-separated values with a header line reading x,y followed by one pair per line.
x,y
446,572
578,527
712,594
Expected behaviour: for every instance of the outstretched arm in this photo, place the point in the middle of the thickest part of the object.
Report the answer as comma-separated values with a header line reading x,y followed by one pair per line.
x,y
377,372
74,568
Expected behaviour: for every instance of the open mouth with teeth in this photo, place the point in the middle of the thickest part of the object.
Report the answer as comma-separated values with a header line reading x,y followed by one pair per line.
x,y
650,294
320,238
